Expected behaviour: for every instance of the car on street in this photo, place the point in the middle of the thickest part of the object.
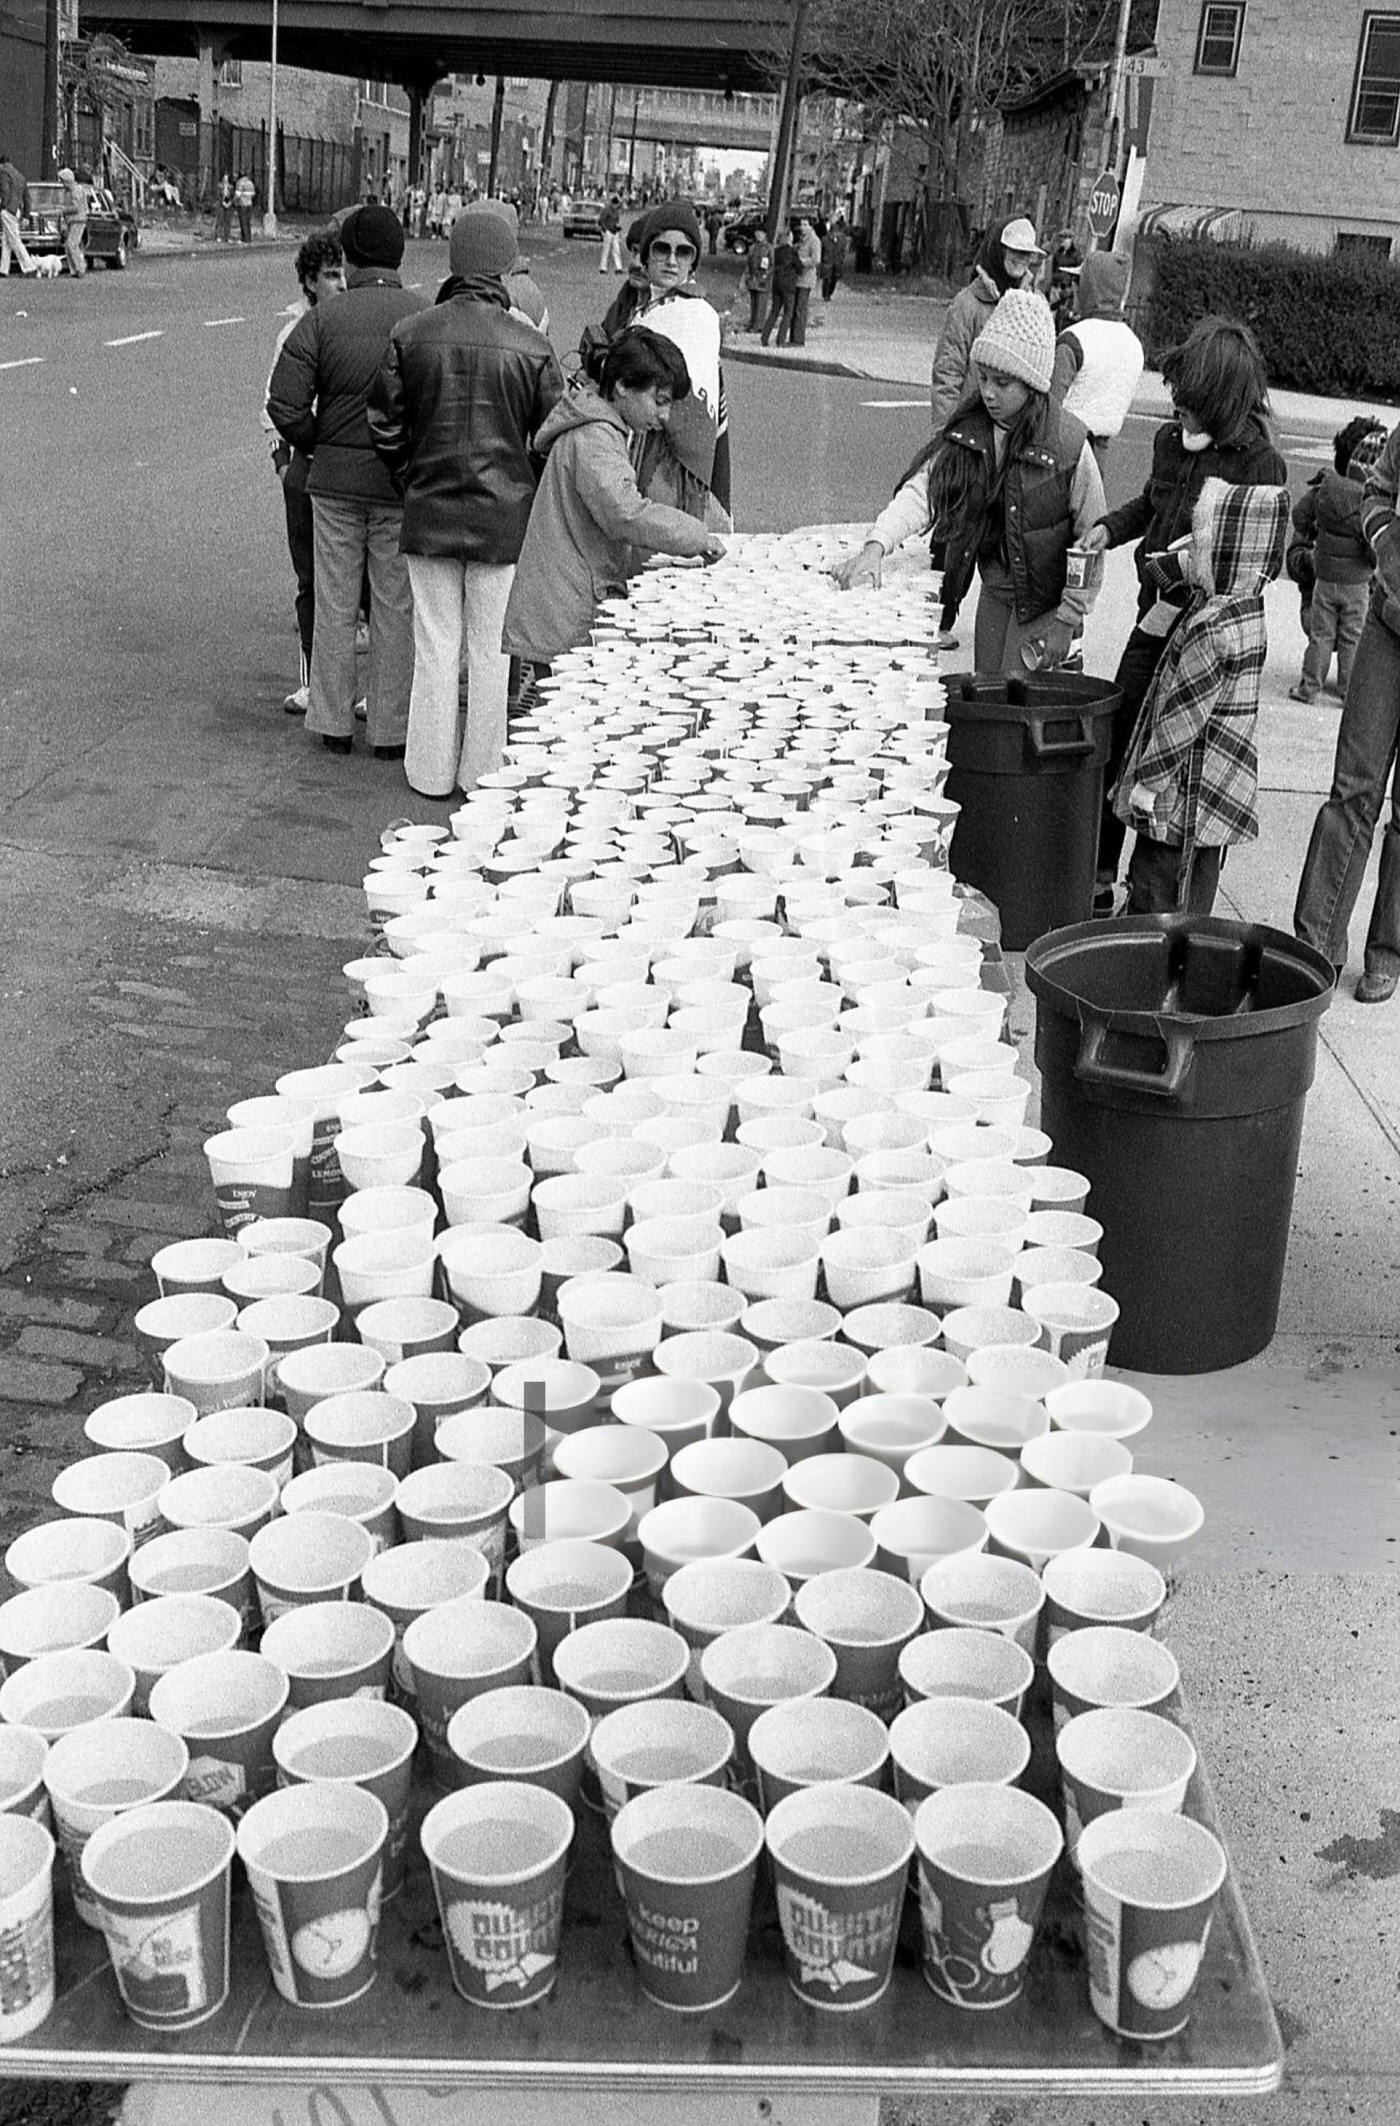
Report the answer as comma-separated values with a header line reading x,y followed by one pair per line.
x,y
740,233
112,232
584,218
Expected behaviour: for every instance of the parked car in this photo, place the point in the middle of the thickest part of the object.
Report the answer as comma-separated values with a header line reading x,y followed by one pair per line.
x,y
740,233
583,218
112,232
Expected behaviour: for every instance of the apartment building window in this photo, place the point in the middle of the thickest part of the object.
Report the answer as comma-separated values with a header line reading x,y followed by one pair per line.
x,y
1218,40
231,74
1375,101
1356,245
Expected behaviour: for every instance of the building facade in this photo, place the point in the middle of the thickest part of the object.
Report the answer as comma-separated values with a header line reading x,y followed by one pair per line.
x,y
1286,110
341,138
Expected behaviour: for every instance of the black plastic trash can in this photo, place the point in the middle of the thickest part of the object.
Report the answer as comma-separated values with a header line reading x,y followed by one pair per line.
x,y
1026,760
1175,1055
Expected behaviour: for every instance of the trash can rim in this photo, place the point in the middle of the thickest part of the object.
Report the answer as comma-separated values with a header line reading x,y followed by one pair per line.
x,y
1042,981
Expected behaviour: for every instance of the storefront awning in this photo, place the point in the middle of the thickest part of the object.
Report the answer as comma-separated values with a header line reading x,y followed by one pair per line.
x,y
1223,225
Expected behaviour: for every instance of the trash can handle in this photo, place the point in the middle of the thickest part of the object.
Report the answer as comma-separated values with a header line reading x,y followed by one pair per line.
x,y
1093,1068
1045,748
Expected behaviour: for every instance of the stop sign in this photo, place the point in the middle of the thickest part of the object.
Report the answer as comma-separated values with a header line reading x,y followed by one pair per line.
x,y
1103,204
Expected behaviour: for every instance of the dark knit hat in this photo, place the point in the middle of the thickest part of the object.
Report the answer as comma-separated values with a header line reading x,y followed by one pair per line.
x,y
482,242
373,236
1103,284
677,214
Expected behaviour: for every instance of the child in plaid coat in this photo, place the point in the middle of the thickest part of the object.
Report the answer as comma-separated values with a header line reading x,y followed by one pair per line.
x,y
1189,782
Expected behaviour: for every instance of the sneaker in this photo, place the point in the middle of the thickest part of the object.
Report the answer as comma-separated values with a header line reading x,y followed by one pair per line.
x,y
1302,693
298,703
361,710
1376,988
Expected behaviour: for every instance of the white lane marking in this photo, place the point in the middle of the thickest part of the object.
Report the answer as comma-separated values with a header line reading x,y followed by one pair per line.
x,y
883,404
133,337
210,322
30,361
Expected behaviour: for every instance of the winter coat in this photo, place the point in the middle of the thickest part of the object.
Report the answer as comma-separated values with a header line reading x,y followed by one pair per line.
x,y
319,394
1193,744
589,530
1328,517
787,268
460,390
758,265
809,256
1036,509
1381,529
1163,511
968,312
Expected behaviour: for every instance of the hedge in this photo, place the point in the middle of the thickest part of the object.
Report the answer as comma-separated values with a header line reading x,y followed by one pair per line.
x,y
1327,322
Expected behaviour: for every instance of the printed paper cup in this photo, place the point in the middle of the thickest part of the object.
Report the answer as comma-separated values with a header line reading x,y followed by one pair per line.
x,y
331,1650
254,1438
840,1858
310,1375
1149,1517
945,1741
986,1854
1076,1323
220,1370
1034,1526
67,1615
364,1426
618,1660
73,1548
1118,1758
972,1474
308,1557
661,1742
159,1878
807,1742
714,1595
226,1709
963,1661
1101,1587
866,1618
57,1692
521,1732
989,1594
142,1424
1109,1407
194,1265
93,1774
314,1856
124,1488
571,1509
251,1171
157,1635
26,1925
562,1585
497,1855
812,1541
363,1741
686,1861
23,1754
1150,1885
207,1561
466,1501
1105,1664
453,1653
757,1665
683,1529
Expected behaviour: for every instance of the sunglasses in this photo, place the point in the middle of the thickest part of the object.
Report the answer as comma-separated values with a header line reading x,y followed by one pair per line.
x,y
681,253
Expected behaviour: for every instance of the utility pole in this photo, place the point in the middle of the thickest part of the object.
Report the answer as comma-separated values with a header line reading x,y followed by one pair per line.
x,y
1113,115
498,104
270,203
632,149
780,177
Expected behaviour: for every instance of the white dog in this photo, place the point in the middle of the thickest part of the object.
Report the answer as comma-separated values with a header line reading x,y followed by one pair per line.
x,y
48,267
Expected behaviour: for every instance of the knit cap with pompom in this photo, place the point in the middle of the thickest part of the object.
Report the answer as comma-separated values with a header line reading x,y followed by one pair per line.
x,y
1018,339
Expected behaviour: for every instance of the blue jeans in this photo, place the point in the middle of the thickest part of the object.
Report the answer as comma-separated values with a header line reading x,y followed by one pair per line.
x,y
1342,832
348,537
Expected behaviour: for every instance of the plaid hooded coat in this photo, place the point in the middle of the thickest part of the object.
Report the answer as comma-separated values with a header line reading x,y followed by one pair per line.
x,y
1193,744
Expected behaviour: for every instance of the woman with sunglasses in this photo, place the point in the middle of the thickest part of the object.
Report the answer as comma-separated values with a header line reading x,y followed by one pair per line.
x,y
686,463
1010,485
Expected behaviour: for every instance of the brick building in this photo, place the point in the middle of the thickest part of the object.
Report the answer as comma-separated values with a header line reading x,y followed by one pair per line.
x,y
1287,110
360,127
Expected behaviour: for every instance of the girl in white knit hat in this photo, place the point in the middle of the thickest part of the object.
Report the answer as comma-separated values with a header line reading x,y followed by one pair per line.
x,y
1010,485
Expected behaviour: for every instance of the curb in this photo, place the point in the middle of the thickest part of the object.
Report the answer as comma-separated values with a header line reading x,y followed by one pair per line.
x,y
812,365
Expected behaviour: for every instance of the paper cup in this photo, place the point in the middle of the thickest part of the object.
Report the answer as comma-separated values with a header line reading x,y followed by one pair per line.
x,y
695,1306
840,1859
26,1918
945,1741
142,1424
623,1457
757,1665
156,1635
1118,1758
683,1529
799,1421
497,1853
686,1860
222,1370
813,1540
60,1691
713,1595
159,1878
676,1410
889,1428
308,1557
660,1742
163,1322
93,1774
619,1661
456,1651
69,1614
1076,1323
1016,1369
251,1171
961,1273
995,1594
866,1618
255,1438
611,1322
23,1754
837,1369
1149,1517
287,1321
1108,1407
405,1328
314,1856
491,1270
405,1582
204,1561
124,1488
910,1369
309,1237
955,1471
985,1858
270,1277
989,1417
771,1323
510,1340
722,1359
808,1742
1150,1884
967,1662
226,1708
362,1741
1101,1587
521,1732
967,1330
562,1585
194,1265
364,1426
914,1533
1105,1664
331,1650
458,1499
1037,1525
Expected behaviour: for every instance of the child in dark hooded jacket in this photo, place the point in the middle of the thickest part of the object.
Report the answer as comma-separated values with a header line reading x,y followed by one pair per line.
x,y
1190,779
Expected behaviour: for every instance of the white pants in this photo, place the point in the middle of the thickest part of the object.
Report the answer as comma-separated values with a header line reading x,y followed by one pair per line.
x,y
612,251
452,600
11,240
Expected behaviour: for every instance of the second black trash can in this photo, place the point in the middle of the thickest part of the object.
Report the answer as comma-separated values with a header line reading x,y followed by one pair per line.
x,y
1026,760
1175,1055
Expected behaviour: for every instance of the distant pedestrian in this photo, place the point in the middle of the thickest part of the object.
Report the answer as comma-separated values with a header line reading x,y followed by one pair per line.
x,y
452,209
318,399
782,290
461,390
1327,520
224,211
75,221
610,226
1099,358
320,268
437,212
1189,782
714,223
14,204
1008,257
809,258
835,245
1367,758
244,193
758,275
